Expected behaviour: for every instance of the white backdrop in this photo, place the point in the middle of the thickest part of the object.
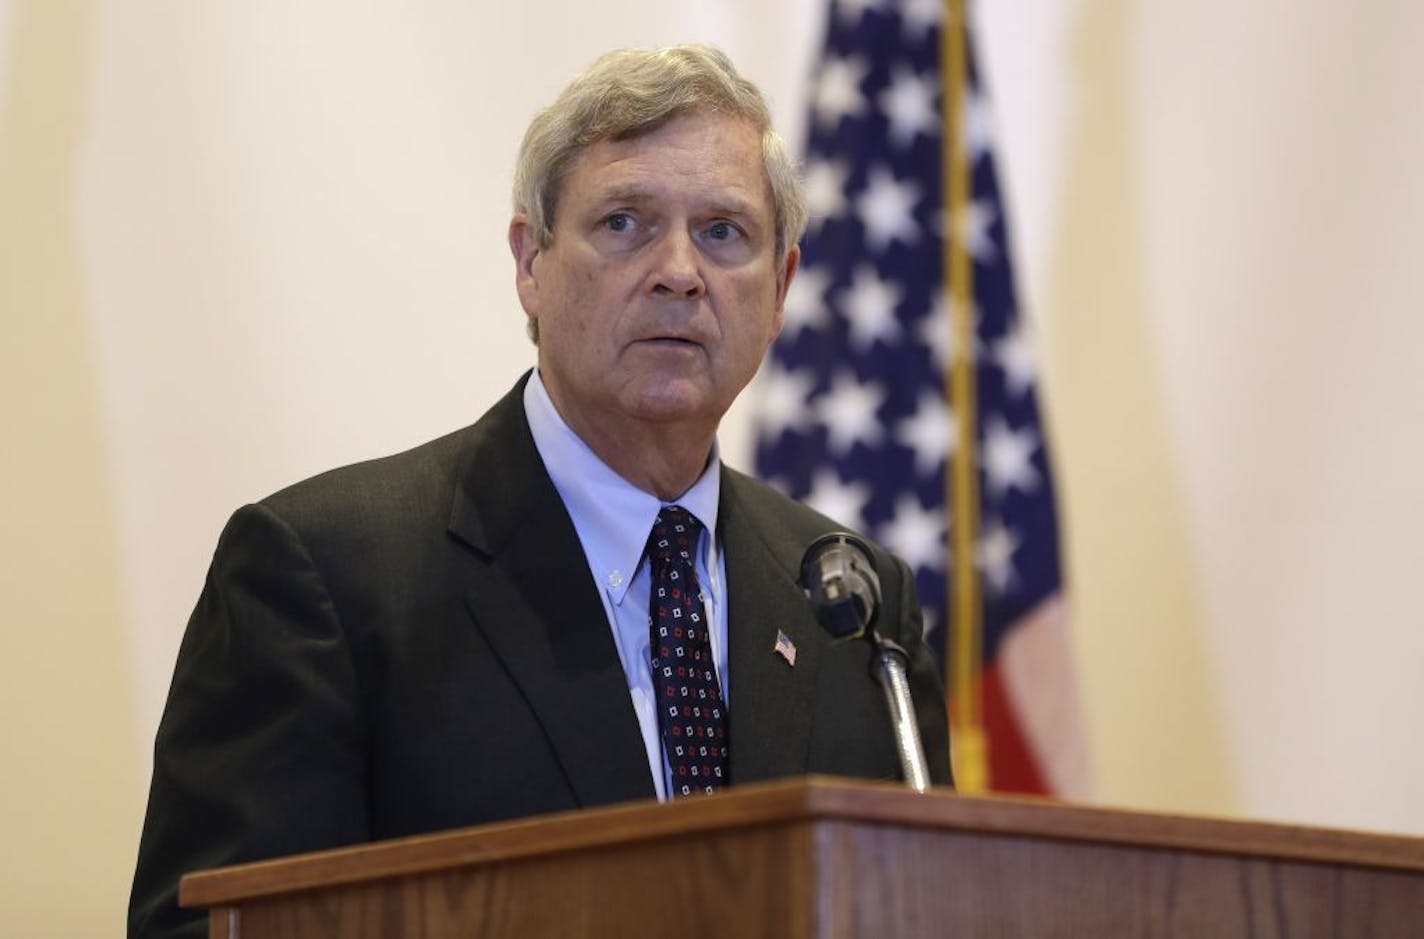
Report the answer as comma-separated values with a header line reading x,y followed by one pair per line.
x,y
241,243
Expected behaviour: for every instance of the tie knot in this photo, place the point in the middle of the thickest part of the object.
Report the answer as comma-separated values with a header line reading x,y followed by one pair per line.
x,y
675,534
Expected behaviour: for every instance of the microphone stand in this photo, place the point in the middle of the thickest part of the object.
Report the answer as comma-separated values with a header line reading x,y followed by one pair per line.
x,y
890,662
838,575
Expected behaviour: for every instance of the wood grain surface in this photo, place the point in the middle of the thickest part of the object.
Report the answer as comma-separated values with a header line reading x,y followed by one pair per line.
x,y
824,858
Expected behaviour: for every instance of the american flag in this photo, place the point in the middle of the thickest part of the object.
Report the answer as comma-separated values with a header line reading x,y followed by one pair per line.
x,y
854,415
785,648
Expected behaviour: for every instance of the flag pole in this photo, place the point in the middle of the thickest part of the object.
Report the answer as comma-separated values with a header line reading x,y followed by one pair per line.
x,y
964,648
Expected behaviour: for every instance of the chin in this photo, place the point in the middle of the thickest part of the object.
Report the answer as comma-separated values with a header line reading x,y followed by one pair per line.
x,y
670,403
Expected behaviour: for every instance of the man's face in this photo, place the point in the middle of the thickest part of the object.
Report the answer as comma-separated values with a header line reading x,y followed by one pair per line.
x,y
660,289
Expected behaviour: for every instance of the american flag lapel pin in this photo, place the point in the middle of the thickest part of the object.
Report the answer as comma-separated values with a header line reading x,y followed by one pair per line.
x,y
785,648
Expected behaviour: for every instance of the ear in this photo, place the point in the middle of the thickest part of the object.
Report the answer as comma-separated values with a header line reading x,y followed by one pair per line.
x,y
524,245
783,283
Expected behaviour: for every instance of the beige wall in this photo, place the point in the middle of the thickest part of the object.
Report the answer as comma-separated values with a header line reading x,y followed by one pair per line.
x,y
1230,315
240,243
69,732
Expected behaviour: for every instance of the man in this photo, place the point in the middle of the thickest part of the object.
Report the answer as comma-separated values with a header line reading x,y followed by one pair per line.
x,y
483,628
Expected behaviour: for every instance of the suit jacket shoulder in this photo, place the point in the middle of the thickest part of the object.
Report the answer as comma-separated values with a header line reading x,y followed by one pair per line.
x,y
386,649
476,480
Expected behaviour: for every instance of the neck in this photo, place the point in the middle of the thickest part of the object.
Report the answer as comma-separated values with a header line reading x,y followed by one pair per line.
x,y
663,458
657,460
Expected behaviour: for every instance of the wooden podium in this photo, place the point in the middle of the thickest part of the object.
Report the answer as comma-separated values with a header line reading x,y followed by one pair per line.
x,y
825,858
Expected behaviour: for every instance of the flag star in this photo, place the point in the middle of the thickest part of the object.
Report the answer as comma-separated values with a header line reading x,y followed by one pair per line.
x,y
1008,457
887,210
805,306
936,331
931,432
1014,356
978,125
909,104
921,16
996,550
870,307
838,91
851,11
916,534
849,411
784,394
825,185
971,226
838,500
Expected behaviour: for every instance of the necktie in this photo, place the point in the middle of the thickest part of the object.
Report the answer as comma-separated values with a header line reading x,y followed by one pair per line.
x,y
691,715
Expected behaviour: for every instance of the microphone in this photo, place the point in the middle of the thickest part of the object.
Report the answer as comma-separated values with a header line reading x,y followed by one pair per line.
x,y
839,577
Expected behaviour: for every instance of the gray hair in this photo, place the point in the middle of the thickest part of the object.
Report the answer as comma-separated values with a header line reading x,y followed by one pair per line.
x,y
631,92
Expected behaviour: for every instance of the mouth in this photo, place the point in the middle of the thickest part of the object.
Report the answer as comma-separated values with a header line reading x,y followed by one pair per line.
x,y
670,342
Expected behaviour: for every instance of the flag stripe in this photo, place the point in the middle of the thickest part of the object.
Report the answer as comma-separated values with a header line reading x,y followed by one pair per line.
x,y
1012,765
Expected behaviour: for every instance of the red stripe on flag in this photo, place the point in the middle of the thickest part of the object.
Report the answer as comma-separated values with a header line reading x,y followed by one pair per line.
x,y
1012,767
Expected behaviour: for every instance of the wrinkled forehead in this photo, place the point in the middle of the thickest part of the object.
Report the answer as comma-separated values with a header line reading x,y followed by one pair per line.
x,y
700,150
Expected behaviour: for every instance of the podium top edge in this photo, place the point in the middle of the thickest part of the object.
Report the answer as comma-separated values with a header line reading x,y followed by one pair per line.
x,y
800,801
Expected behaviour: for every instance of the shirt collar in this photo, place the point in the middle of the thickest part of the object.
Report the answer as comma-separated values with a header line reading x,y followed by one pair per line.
x,y
612,516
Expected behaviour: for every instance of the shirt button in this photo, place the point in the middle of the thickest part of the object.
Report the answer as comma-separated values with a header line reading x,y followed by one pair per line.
x,y
615,579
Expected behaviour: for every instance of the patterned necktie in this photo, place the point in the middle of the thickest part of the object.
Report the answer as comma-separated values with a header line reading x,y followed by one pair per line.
x,y
690,712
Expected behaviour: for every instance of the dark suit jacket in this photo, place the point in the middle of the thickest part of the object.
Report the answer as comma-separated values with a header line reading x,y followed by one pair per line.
x,y
416,643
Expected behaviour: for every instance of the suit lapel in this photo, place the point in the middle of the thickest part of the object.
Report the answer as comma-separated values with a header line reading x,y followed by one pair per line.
x,y
535,602
772,703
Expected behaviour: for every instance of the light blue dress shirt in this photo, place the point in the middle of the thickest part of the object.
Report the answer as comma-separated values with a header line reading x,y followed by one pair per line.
x,y
613,519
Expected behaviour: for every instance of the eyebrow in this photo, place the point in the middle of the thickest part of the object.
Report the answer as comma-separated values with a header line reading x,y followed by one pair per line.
x,y
624,194
724,204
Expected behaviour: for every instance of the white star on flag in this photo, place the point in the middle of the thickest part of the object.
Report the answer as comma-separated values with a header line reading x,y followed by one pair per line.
x,y
1008,457
930,432
936,331
871,304
834,498
972,224
996,556
838,93
848,410
805,305
1013,355
783,396
909,103
851,11
887,210
978,126
921,15
825,185
915,533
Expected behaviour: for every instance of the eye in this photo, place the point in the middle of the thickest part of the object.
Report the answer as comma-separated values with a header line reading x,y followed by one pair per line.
x,y
722,230
619,222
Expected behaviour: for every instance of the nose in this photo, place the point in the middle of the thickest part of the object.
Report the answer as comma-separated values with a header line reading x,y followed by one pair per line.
x,y
676,272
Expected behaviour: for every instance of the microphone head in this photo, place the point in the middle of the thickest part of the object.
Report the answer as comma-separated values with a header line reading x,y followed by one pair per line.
x,y
838,575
